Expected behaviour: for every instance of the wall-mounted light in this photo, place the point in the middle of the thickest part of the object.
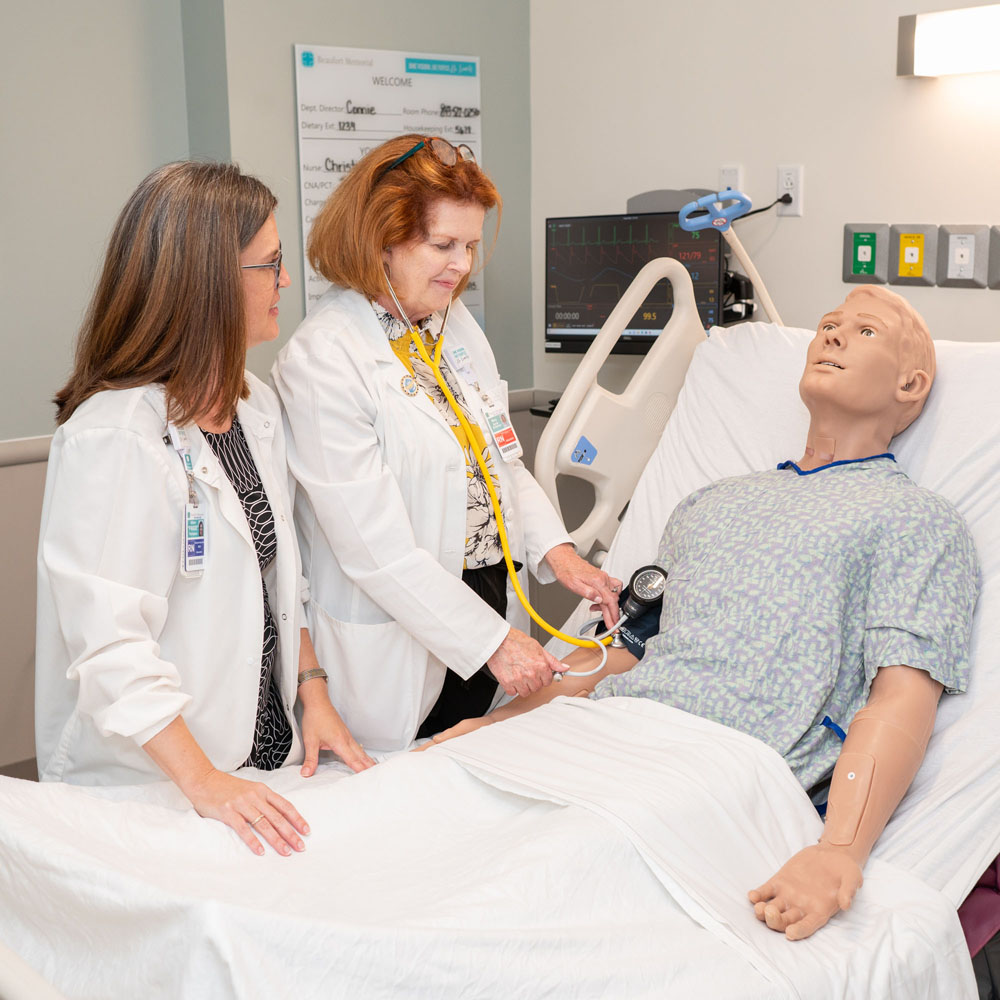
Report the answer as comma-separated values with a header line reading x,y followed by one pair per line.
x,y
965,40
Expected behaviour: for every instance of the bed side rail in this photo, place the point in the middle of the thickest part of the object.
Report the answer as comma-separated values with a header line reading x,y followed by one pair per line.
x,y
606,438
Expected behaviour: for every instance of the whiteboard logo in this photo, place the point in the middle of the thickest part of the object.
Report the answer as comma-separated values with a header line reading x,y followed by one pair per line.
x,y
308,59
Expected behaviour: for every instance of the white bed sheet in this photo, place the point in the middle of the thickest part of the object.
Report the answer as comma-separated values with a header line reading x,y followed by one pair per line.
x,y
586,850
715,812
739,411
419,880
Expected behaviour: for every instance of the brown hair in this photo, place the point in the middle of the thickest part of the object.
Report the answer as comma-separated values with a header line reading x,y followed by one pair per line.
x,y
169,304
375,208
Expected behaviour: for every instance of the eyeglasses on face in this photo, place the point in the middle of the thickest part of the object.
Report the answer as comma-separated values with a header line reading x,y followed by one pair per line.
x,y
274,265
446,153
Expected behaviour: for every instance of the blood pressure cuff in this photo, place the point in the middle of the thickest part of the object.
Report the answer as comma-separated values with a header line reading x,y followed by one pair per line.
x,y
636,631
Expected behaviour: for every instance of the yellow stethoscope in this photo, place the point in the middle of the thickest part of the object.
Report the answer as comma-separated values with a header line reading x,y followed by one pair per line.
x,y
434,365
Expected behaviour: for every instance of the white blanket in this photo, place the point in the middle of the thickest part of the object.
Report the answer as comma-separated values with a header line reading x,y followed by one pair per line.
x,y
554,855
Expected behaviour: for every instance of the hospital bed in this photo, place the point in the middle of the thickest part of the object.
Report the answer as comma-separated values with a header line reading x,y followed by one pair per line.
x,y
589,849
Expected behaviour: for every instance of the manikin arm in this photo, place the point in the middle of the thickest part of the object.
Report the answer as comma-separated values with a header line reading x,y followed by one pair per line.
x,y
584,658
883,750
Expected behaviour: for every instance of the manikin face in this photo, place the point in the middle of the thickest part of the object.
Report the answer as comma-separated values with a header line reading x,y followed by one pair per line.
x,y
259,293
854,362
424,272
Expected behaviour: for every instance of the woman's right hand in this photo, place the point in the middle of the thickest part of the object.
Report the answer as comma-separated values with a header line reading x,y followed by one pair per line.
x,y
249,808
521,665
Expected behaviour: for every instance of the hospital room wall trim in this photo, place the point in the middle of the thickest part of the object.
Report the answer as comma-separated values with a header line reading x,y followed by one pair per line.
x,y
666,92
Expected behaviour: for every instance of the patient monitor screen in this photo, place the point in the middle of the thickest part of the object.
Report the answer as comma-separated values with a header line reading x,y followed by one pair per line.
x,y
591,260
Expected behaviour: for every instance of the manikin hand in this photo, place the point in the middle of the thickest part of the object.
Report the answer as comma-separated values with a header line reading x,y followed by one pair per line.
x,y
521,665
507,711
807,891
884,746
459,729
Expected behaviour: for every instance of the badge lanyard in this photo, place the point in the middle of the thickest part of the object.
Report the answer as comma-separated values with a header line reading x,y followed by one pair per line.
x,y
194,529
497,419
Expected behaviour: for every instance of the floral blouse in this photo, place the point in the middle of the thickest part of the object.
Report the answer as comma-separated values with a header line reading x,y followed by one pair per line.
x,y
482,537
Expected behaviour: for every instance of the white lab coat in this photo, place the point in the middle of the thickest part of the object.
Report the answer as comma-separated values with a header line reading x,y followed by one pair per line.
x,y
125,642
380,507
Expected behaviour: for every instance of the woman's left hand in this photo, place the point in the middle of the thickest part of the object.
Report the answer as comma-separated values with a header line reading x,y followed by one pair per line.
x,y
323,729
578,576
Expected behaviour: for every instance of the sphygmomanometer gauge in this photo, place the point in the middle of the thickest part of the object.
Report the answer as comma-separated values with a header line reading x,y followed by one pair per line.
x,y
644,590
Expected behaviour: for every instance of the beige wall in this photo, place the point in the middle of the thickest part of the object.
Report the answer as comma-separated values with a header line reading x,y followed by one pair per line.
x,y
92,100
263,137
96,95
647,94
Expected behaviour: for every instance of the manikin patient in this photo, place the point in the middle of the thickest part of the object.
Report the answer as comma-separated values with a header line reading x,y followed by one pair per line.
x,y
831,590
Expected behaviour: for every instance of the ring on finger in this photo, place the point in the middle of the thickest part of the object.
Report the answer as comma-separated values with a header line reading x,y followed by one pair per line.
x,y
254,822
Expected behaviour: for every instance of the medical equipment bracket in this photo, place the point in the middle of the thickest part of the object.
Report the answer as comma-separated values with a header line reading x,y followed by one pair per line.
x,y
718,211
606,438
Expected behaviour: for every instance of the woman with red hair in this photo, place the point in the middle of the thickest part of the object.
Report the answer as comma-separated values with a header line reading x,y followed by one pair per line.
x,y
409,589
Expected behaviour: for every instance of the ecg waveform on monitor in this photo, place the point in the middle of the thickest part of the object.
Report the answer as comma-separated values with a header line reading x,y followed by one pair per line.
x,y
591,262
628,245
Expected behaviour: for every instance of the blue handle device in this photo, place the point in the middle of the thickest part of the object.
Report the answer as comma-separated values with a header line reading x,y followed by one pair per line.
x,y
714,211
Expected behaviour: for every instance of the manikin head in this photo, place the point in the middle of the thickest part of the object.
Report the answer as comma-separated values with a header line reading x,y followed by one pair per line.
x,y
868,371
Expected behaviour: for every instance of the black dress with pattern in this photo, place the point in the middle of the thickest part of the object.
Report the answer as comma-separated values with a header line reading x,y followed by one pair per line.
x,y
272,738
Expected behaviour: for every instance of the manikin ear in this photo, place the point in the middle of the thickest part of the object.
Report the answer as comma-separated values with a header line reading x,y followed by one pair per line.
x,y
914,388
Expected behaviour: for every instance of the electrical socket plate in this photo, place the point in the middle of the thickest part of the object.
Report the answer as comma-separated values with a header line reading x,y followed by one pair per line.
x,y
731,176
791,180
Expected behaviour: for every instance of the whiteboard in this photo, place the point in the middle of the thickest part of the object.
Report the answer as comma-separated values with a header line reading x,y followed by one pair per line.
x,y
349,100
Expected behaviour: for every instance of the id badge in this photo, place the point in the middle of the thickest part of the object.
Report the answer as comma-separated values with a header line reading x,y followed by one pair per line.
x,y
460,362
195,540
503,433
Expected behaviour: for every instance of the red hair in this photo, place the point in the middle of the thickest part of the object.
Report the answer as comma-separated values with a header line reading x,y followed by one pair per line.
x,y
375,208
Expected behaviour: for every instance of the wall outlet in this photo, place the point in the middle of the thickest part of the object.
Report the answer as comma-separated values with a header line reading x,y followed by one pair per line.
x,y
731,176
791,180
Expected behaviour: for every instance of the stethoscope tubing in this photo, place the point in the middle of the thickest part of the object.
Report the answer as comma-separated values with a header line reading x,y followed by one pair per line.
x,y
600,643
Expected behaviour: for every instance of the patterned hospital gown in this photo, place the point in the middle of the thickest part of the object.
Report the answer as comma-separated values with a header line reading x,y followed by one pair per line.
x,y
788,590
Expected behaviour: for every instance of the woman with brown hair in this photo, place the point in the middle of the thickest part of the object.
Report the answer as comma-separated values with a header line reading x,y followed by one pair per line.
x,y
170,626
400,542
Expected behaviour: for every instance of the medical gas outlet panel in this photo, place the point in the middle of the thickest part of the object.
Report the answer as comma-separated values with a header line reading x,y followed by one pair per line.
x,y
948,256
